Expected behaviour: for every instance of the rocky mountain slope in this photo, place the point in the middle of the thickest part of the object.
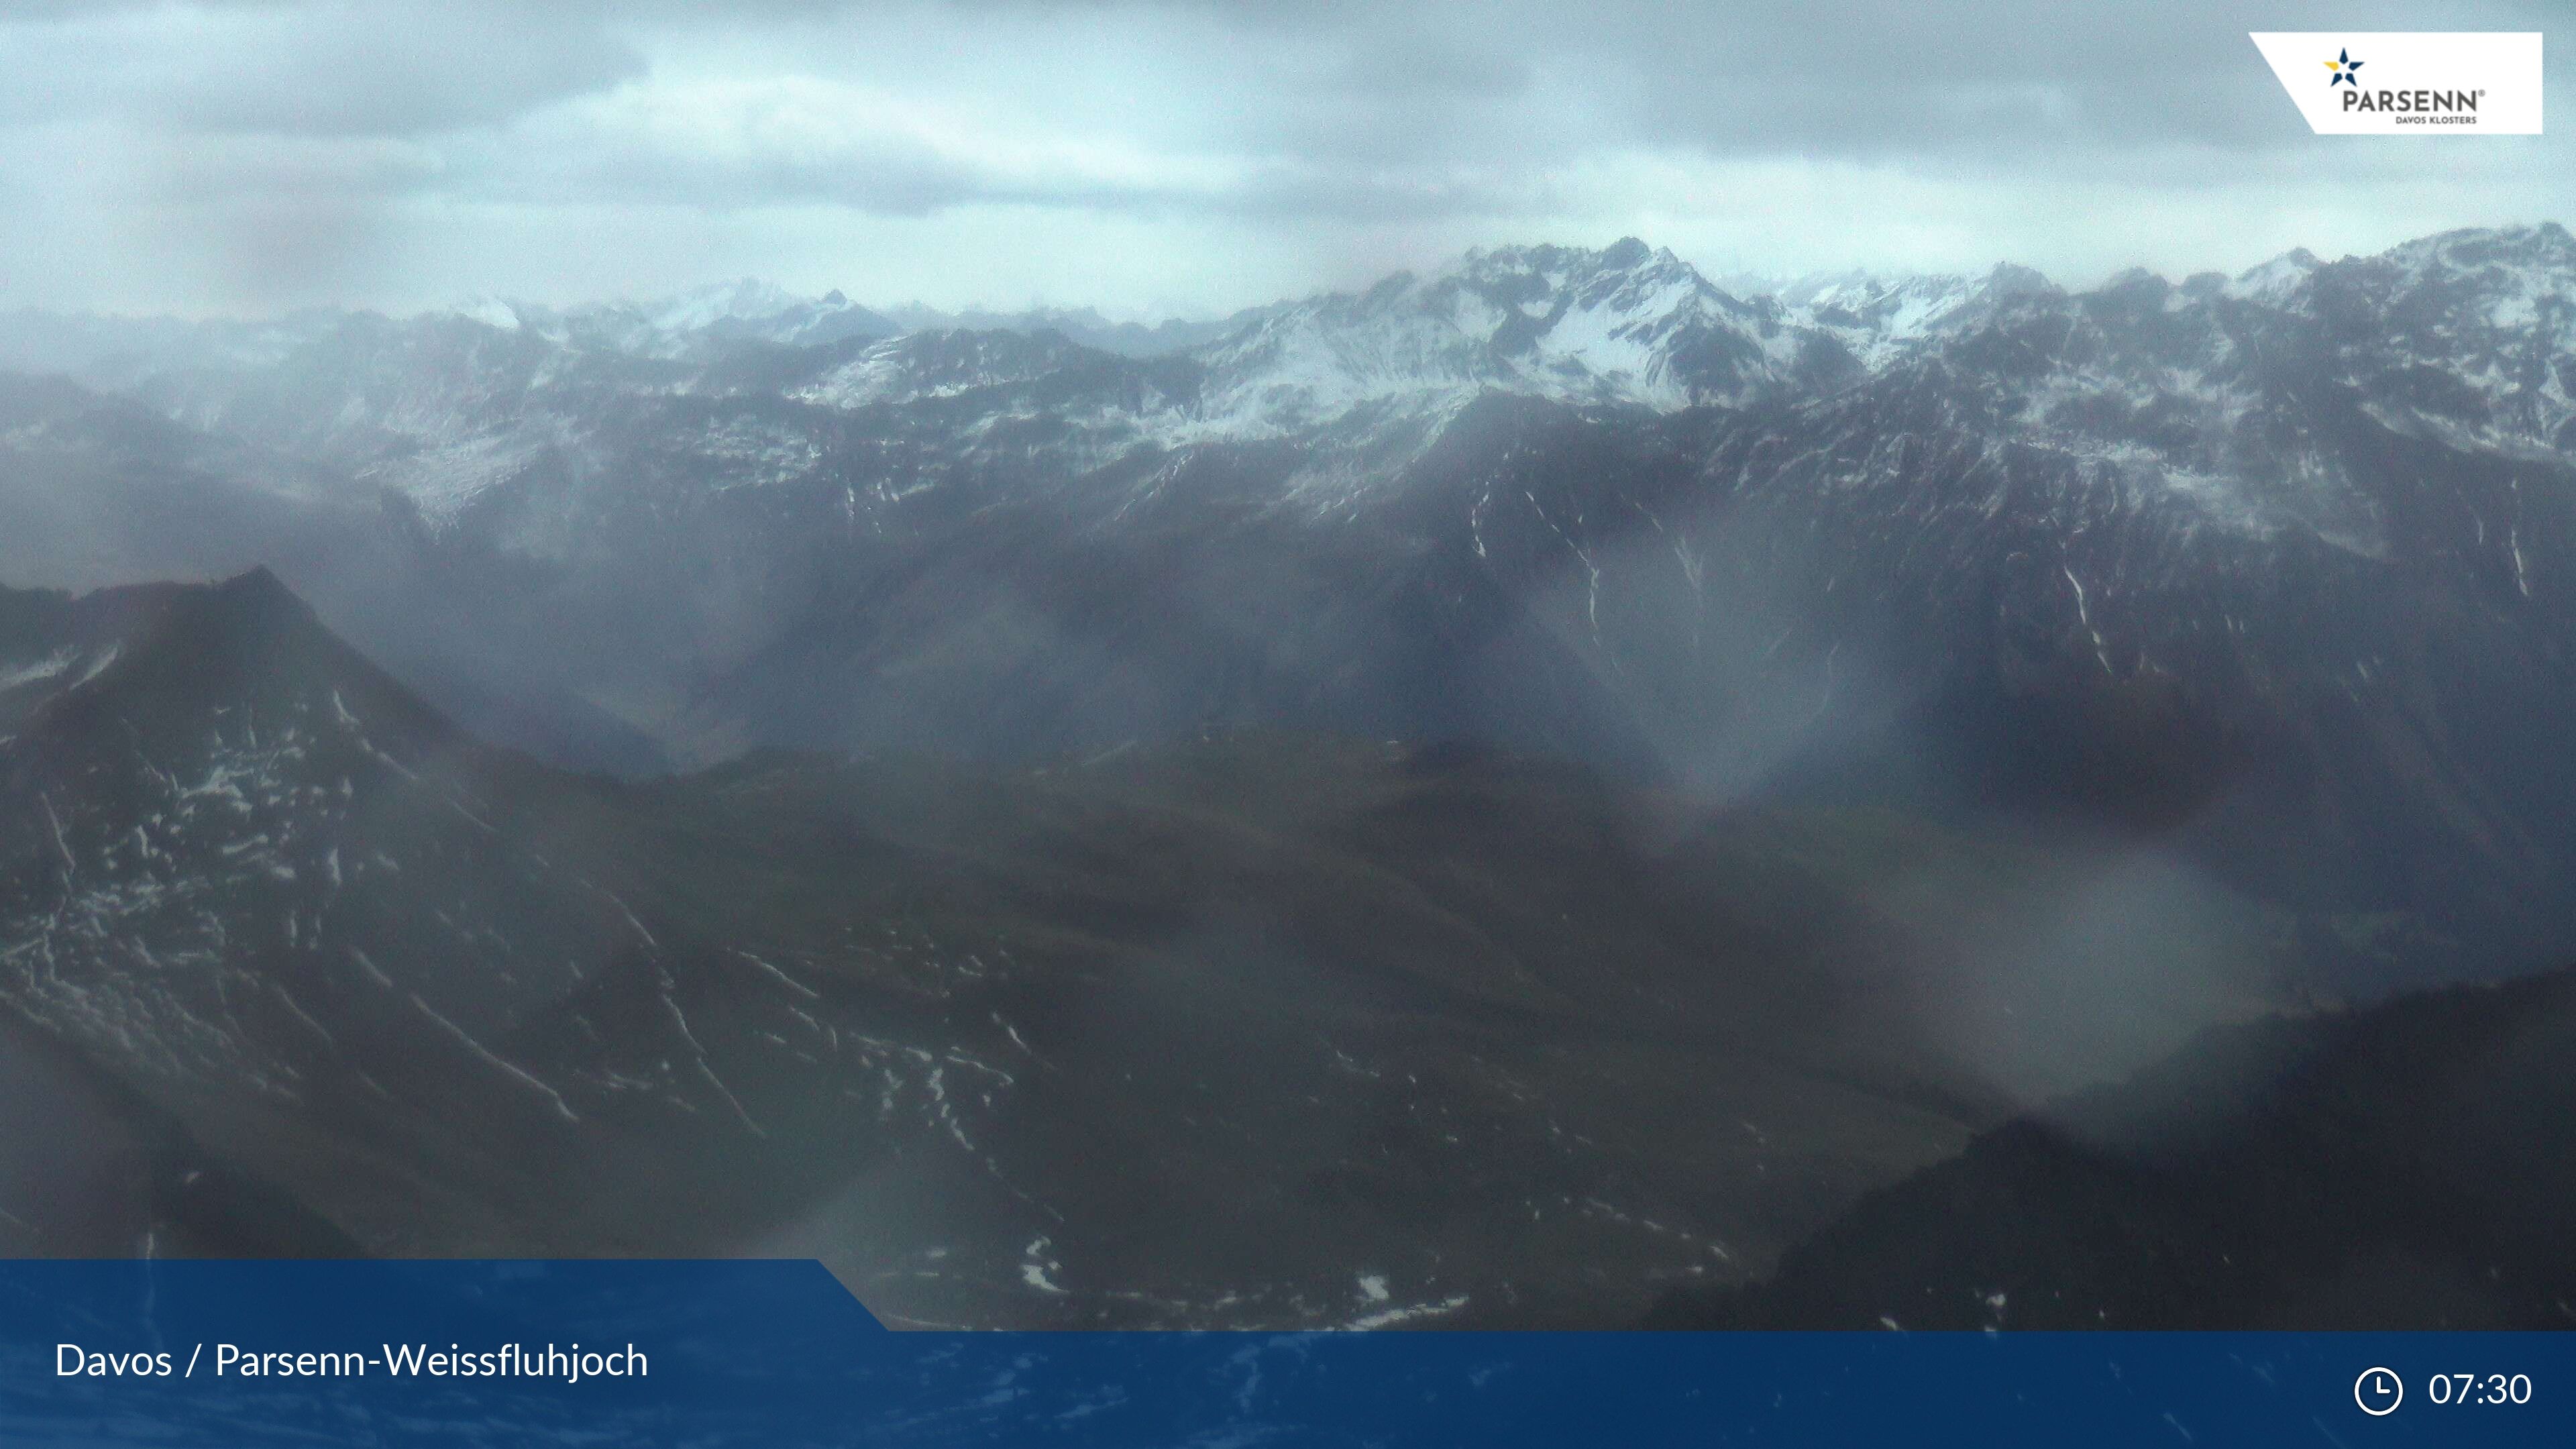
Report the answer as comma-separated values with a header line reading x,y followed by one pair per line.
x,y
2403,1167
2267,562
1477,801
1267,1029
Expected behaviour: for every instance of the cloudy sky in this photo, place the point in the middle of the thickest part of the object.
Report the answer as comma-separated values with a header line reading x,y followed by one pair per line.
x,y
1176,157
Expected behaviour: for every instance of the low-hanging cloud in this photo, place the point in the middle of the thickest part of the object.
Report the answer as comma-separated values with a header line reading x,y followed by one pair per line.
x,y
160,145
344,69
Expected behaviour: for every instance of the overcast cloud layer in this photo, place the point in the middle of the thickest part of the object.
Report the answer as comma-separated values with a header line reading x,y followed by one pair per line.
x,y
1176,158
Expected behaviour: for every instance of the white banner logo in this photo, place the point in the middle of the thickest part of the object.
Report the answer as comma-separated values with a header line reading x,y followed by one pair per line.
x,y
2461,83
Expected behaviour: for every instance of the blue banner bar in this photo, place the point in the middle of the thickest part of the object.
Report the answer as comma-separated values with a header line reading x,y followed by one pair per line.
x,y
607,1354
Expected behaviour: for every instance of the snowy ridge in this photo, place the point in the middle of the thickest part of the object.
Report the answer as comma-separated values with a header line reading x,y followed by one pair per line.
x,y
1621,325
1881,320
932,365
2492,314
2461,338
748,300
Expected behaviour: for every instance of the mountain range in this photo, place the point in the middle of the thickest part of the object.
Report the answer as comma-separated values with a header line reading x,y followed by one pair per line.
x,y
2260,560
1500,795
1387,1031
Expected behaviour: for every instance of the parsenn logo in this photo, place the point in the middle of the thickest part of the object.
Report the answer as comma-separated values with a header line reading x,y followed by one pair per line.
x,y
2454,107
2428,84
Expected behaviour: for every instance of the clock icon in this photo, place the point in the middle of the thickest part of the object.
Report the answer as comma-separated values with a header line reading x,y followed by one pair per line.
x,y
2378,1391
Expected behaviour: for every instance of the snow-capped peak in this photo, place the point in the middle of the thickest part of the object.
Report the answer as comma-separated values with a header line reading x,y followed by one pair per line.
x,y
685,324
1879,318
699,308
2276,279
491,312
1622,324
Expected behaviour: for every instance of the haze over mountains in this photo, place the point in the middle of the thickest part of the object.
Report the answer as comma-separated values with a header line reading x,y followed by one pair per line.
x,y
1264,1030
2404,1167
1536,783
2269,558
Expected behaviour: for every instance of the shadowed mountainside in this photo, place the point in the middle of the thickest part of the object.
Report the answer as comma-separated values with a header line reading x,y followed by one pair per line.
x,y
1260,1028
2407,1166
